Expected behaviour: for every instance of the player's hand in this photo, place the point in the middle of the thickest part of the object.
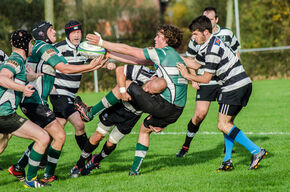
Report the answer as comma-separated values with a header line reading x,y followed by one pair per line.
x,y
28,90
181,67
111,66
156,129
125,96
195,85
97,62
95,39
31,75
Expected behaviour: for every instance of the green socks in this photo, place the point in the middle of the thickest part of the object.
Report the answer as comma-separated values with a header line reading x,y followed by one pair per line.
x,y
140,154
33,163
107,101
52,158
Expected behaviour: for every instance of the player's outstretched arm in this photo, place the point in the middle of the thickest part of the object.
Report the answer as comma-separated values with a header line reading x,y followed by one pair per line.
x,y
95,64
128,59
116,47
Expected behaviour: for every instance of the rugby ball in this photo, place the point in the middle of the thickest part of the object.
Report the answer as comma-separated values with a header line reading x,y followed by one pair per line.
x,y
90,51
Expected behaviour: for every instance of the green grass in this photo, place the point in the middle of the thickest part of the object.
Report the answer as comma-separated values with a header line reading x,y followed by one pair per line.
x,y
267,112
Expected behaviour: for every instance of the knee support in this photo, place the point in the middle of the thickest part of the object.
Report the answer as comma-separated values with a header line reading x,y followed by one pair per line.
x,y
102,129
116,136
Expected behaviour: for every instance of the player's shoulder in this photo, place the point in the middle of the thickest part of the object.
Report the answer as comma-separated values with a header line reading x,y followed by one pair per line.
x,y
61,43
225,31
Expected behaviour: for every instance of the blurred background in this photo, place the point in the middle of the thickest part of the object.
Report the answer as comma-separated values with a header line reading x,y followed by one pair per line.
x,y
264,28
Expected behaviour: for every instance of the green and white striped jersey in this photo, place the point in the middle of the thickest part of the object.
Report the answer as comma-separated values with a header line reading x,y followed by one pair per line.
x,y
165,61
43,59
10,99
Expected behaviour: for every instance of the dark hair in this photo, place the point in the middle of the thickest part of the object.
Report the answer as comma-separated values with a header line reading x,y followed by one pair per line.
x,y
211,9
201,24
72,26
172,33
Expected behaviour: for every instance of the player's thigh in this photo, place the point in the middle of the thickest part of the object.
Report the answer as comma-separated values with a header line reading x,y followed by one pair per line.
x,y
201,108
56,131
4,139
30,130
76,121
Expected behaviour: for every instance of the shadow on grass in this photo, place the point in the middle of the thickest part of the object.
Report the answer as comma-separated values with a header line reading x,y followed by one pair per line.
x,y
155,162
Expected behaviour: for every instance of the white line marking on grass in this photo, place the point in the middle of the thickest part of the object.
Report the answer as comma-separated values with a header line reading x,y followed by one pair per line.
x,y
207,133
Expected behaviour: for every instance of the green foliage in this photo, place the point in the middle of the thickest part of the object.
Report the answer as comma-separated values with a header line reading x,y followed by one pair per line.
x,y
264,23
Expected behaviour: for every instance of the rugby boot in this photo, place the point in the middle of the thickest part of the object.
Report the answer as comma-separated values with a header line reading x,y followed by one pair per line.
x,y
90,166
256,158
75,172
49,179
133,173
83,109
182,152
226,166
34,183
17,172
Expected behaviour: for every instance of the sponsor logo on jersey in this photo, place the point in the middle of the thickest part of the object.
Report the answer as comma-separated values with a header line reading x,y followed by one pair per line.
x,y
217,42
12,63
48,53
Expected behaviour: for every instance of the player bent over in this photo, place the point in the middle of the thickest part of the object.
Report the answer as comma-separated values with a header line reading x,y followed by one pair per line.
x,y
165,108
45,59
121,117
12,86
236,87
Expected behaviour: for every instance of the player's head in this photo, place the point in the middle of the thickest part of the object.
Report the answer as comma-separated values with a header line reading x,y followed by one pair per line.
x,y
155,85
201,29
21,39
168,35
44,31
212,14
73,31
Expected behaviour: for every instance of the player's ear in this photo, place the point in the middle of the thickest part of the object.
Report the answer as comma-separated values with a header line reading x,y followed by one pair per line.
x,y
216,19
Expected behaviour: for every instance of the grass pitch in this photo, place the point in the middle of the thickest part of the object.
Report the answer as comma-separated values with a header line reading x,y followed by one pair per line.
x,y
265,121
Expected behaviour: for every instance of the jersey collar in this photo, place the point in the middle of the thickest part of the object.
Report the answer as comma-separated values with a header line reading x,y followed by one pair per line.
x,y
70,44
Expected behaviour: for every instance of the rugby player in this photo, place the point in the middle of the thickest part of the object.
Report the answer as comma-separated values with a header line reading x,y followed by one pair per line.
x,y
45,59
12,87
165,108
236,87
206,93
120,118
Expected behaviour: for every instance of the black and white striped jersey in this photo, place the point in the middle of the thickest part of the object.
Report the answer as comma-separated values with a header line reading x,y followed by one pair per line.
x,y
219,60
3,56
68,84
224,34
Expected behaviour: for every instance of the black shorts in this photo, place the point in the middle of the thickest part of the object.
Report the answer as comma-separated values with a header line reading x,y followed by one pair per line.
x,y
208,93
11,123
38,113
162,112
239,96
119,116
63,106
